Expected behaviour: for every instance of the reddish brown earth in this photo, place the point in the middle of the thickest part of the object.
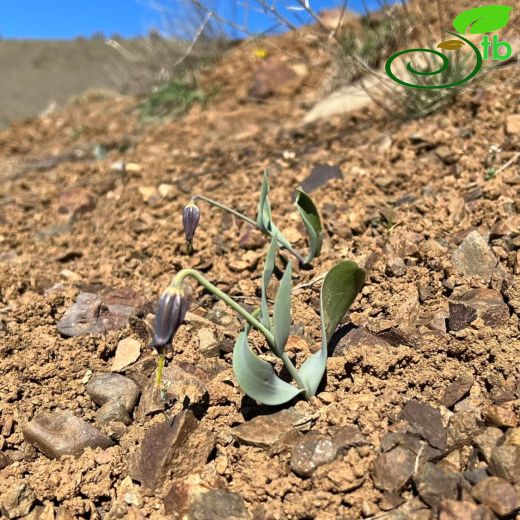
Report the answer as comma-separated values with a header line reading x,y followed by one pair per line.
x,y
441,246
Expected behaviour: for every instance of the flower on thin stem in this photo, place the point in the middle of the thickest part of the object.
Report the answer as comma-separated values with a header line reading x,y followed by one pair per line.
x,y
190,221
172,308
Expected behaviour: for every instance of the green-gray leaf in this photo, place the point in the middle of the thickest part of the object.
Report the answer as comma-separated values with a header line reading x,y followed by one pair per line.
x,y
311,219
340,288
264,217
483,19
257,378
282,312
266,278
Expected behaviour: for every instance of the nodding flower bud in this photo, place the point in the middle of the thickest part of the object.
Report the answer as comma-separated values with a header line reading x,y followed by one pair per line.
x,y
190,220
171,310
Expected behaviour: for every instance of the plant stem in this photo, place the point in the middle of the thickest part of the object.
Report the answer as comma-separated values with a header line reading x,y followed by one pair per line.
x,y
237,214
241,216
184,273
295,375
249,317
160,367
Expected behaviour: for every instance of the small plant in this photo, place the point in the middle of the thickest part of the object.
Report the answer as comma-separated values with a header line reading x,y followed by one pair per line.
x,y
256,376
172,99
264,221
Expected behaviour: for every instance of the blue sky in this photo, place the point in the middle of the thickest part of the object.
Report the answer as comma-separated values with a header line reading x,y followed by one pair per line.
x,y
63,19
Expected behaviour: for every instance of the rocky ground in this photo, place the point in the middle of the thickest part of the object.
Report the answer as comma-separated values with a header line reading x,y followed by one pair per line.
x,y
418,417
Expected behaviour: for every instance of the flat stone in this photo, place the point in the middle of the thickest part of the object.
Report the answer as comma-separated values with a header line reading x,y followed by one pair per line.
x,y
311,451
498,494
127,352
393,470
505,462
320,175
104,387
91,314
172,449
486,442
355,337
266,430
62,433
435,484
463,510
474,257
457,390
113,411
16,501
500,416
486,304
426,422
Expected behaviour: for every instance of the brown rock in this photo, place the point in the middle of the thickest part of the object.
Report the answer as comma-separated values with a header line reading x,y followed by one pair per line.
x,y
463,510
251,239
104,387
178,384
127,352
393,470
426,422
348,437
192,499
435,484
457,390
5,460
91,314
113,411
173,448
320,175
500,416
266,430
474,258
505,462
513,124
275,76
462,429
355,337
446,155
310,451
487,441
62,433
16,501
498,494
486,304
75,202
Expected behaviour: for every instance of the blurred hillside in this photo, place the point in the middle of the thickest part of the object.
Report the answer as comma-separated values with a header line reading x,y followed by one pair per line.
x,y
36,74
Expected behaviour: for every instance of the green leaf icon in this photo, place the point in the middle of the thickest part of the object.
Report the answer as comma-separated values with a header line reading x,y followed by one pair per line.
x,y
487,18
